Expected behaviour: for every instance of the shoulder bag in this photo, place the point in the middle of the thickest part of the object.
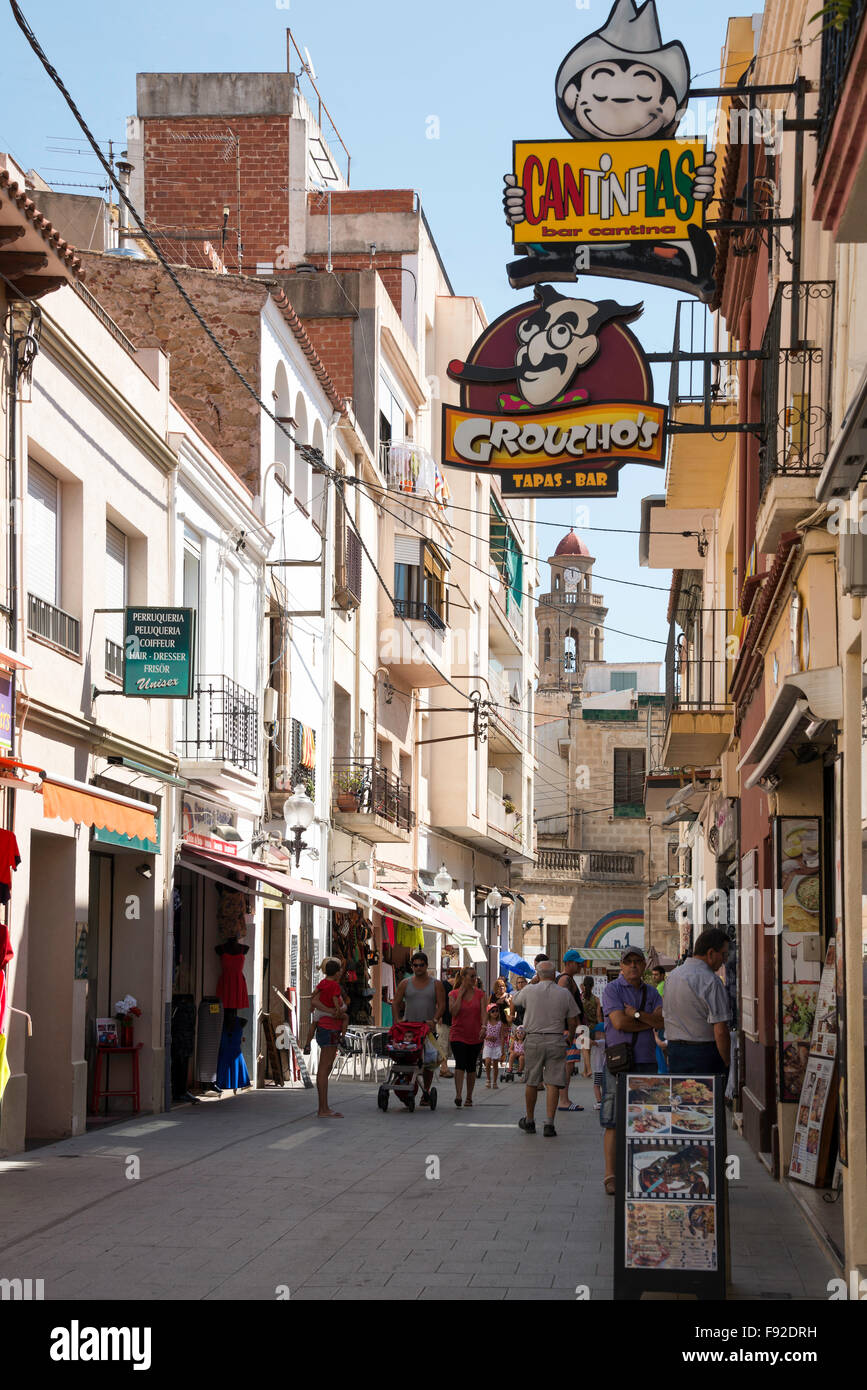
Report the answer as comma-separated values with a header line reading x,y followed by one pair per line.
x,y
621,1056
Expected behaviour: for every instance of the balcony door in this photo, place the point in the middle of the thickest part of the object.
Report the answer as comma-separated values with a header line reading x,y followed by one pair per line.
x,y
192,580
43,534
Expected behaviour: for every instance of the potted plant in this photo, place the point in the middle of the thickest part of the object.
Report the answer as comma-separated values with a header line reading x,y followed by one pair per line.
x,y
126,1011
509,806
348,789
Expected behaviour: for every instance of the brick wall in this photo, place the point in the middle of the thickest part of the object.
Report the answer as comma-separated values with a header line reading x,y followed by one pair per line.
x,y
350,201
332,339
146,306
191,173
388,267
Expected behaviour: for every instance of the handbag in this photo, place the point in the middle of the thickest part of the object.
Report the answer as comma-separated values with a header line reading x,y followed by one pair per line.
x,y
620,1057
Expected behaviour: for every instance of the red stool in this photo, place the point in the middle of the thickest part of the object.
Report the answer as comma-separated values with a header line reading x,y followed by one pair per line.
x,y
99,1093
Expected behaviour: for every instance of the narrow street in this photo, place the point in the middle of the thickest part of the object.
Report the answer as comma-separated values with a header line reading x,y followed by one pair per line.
x,y
251,1197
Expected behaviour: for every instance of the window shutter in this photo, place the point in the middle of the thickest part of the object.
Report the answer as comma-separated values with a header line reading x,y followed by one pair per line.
x,y
407,550
353,563
115,581
43,517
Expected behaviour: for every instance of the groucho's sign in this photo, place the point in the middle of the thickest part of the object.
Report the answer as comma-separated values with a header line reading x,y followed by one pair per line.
x,y
621,196
555,396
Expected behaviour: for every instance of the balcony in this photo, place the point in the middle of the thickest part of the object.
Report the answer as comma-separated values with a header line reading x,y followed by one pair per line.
x,y
841,162
697,673
419,612
222,724
411,470
368,800
413,644
586,866
503,822
572,596
506,721
53,625
796,406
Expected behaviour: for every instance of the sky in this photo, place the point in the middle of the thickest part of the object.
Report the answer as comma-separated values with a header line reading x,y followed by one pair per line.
x,y
474,75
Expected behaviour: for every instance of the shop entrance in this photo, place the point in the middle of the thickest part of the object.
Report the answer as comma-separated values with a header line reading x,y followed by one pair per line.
x,y
55,1066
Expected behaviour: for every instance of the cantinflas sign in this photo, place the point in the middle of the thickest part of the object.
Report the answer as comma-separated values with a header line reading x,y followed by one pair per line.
x,y
621,196
556,395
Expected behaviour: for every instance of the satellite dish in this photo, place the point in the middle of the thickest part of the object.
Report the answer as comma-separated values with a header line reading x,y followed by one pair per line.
x,y
309,64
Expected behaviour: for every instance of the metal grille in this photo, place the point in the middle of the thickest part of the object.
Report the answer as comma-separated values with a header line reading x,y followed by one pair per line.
x,y
44,620
796,381
225,723
410,608
353,563
376,790
838,45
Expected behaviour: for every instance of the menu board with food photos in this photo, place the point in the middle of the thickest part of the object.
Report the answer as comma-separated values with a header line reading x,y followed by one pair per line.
x,y
811,1142
670,1221
799,945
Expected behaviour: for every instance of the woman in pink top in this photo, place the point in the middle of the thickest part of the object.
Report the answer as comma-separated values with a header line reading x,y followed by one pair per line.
x,y
467,1008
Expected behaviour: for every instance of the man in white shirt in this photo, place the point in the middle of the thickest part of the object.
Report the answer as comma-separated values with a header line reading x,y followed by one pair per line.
x,y
696,1010
550,1017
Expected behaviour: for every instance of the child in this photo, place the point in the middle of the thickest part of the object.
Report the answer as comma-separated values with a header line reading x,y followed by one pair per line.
x,y
496,1033
328,995
516,1050
597,1062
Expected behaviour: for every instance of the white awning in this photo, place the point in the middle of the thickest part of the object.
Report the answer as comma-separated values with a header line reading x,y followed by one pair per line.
x,y
385,903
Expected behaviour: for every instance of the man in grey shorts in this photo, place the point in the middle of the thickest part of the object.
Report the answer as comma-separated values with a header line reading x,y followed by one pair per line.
x,y
550,1018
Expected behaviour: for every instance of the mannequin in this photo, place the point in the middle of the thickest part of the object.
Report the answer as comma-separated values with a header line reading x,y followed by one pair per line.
x,y
231,986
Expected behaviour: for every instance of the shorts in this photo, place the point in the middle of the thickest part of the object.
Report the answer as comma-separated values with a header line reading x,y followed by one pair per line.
x,y
597,1059
466,1055
327,1037
545,1055
599,1079
609,1092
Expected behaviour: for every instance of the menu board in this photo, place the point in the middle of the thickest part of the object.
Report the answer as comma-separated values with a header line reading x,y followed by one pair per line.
x,y
671,1158
817,1103
799,882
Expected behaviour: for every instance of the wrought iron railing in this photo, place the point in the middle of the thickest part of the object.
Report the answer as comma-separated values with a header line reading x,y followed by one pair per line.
x,y
796,408
222,724
699,662
44,620
838,45
373,791
113,659
422,612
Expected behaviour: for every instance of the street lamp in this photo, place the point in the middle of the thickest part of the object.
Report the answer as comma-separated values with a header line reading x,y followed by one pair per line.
x,y
443,884
540,923
298,813
494,900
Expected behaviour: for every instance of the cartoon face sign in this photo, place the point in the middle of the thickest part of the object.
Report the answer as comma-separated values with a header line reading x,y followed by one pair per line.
x,y
622,82
621,101
554,342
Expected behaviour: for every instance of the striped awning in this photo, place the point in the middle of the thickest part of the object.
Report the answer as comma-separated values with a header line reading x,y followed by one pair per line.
x,y
608,954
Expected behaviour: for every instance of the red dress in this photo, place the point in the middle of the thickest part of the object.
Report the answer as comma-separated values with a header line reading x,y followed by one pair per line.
x,y
231,986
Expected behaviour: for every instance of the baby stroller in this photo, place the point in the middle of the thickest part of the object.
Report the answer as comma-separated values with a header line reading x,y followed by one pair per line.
x,y
405,1047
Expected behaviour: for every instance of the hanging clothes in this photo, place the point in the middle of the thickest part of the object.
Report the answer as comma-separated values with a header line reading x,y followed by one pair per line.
x,y
231,986
411,936
9,861
388,929
232,1074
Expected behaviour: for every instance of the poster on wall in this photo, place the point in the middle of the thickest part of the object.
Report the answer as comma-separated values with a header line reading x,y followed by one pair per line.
x,y
556,395
625,194
817,1104
669,1219
799,945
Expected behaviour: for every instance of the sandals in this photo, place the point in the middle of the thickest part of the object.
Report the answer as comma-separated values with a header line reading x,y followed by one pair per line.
x,y
573,1106
610,1184
458,1101
468,1104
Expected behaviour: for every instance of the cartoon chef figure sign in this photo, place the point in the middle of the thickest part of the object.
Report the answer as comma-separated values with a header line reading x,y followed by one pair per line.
x,y
622,84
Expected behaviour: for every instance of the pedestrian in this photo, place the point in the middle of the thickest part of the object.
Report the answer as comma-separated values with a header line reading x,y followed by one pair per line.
x,y
516,1006
495,1043
696,1010
550,1012
592,1020
631,1011
572,962
516,1050
329,1010
536,961
467,1006
331,969
445,1025
657,975
422,999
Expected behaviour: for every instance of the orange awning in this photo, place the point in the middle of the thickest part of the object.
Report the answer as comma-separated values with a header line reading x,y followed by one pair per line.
x,y
88,805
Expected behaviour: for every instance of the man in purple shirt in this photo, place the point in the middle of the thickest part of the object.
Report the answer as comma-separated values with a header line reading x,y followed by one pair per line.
x,y
629,1018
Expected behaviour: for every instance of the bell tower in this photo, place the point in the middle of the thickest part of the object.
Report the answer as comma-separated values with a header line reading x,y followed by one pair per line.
x,y
570,619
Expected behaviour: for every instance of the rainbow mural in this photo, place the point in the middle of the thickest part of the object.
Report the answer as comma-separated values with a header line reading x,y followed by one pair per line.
x,y
623,927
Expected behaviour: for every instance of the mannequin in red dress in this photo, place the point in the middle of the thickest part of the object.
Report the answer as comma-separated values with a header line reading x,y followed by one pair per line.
x,y
231,986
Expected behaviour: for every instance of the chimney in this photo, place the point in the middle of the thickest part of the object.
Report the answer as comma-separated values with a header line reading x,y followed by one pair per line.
x,y
124,169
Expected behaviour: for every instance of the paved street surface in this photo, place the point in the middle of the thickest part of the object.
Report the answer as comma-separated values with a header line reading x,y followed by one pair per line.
x,y
238,1197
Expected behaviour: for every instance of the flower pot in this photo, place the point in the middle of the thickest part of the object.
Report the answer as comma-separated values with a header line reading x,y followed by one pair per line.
x,y
347,801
